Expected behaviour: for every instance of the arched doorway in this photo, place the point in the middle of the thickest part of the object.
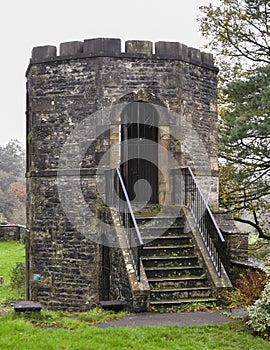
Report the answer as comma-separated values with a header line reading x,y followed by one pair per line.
x,y
139,152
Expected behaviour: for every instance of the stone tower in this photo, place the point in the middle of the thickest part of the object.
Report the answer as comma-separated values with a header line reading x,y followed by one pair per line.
x,y
79,103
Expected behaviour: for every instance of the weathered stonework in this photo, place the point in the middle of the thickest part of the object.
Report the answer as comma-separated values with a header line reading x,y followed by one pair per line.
x,y
12,232
236,240
65,267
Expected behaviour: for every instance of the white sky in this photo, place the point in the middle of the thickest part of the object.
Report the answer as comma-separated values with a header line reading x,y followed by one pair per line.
x,y
29,23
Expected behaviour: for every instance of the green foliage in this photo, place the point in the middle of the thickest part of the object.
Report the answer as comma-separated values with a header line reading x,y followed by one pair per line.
x,y
12,182
259,249
12,160
17,281
247,290
259,314
238,32
244,147
71,321
98,315
189,307
10,253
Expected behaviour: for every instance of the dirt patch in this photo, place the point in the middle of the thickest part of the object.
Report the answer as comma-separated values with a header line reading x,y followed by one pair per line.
x,y
4,311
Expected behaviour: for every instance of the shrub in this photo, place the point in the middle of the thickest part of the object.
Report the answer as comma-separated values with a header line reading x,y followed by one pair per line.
x,y
247,290
17,281
259,314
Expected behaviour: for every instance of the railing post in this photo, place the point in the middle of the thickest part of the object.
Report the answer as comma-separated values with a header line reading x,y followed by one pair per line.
x,y
186,187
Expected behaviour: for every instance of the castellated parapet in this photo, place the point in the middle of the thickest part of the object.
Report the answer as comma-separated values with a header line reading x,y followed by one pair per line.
x,y
87,84
133,48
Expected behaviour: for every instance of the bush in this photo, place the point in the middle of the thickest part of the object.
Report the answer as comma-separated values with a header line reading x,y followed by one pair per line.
x,y
247,290
17,281
259,314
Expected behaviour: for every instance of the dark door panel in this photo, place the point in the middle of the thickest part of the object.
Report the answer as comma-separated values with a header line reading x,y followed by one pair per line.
x,y
139,155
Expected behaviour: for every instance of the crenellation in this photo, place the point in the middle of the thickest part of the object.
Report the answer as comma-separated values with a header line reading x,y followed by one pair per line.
x,y
71,48
39,53
102,46
173,50
207,58
139,47
194,55
111,47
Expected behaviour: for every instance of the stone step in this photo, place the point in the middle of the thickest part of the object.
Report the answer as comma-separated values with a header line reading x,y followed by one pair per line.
x,y
179,271
166,241
158,231
154,210
181,250
177,303
172,264
165,221
180,293
178,282
169,261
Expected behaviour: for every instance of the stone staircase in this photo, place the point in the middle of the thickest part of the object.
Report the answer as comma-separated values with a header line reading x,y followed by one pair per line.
x,y
172,263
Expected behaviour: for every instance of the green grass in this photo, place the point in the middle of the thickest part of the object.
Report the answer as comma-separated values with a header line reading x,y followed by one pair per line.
x,y
57,330
18,333
10,253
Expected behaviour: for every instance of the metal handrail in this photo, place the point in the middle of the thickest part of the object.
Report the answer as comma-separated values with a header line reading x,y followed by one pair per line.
x,y
206,206
117,196
192,197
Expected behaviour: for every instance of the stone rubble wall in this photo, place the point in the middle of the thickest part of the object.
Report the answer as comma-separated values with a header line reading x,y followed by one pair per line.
x,y
11,232
69,89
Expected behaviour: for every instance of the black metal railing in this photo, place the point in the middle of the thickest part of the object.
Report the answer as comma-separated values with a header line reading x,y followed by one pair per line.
x,y
117,196
187,192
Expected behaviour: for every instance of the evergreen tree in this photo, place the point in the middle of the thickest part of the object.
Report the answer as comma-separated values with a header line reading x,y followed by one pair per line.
x,y
245,148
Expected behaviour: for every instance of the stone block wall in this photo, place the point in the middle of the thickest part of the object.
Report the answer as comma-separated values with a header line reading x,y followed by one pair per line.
x,y
11,232
86,86
236,240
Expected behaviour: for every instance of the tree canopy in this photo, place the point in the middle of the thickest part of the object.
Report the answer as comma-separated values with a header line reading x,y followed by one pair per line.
x,y
238,32
239,35
12,182
245,146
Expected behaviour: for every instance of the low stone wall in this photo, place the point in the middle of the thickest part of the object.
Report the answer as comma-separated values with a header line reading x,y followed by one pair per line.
x,y
11,232
236,241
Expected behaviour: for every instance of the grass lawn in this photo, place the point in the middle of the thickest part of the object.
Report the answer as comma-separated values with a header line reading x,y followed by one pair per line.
x,y
17,333
59,331
10,253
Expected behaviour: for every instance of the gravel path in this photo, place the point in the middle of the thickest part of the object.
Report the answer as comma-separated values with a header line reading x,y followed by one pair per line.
x,y
175,319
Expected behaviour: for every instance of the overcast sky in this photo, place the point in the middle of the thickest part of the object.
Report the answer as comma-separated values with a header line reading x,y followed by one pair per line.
x,y
29,23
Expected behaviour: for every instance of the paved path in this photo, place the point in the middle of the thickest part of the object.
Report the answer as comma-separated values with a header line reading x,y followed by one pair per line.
x,y
174,319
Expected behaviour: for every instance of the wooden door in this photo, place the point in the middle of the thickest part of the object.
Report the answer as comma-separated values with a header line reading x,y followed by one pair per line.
x,y
139,155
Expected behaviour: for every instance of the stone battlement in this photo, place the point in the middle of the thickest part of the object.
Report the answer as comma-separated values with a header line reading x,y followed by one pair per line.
x,y
109,47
